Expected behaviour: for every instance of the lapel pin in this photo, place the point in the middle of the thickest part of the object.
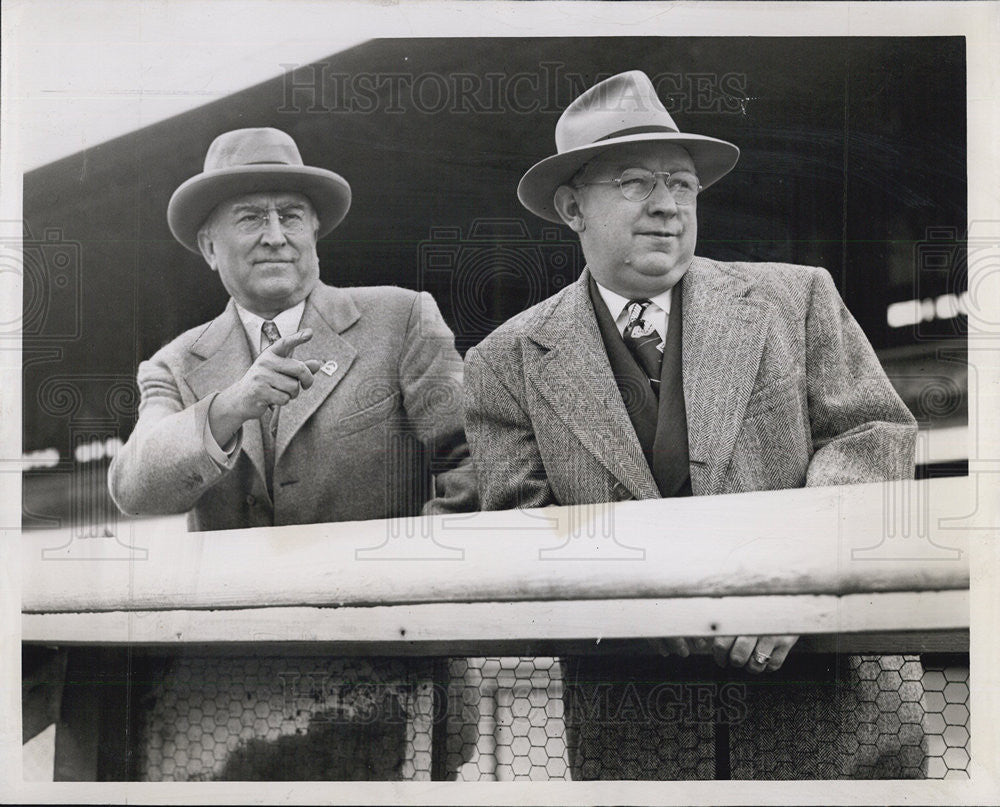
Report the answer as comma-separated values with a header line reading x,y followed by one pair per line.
x,y
329,368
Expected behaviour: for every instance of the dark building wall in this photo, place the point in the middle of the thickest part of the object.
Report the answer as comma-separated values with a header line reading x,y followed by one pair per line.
x,y
852,149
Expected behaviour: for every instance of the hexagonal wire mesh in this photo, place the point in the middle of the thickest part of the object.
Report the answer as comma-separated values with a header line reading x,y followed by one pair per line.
x,y
875,719
945,721
271,718
505,720
510,718
865,717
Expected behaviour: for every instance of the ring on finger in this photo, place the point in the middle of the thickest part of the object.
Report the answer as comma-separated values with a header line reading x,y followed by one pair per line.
x,y
761,658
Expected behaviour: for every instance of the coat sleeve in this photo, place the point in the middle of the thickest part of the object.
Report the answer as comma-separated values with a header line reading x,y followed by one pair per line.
x,y
861,429
165,466
509,465
430,372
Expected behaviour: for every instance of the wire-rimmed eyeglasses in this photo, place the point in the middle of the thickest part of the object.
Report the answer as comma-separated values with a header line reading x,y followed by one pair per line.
x,y
636,184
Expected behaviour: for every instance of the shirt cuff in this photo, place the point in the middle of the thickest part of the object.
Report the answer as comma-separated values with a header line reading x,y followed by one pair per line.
x,y
224,456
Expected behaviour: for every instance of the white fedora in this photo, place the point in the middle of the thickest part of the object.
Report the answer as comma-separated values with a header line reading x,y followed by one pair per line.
x,y
618,110
254,161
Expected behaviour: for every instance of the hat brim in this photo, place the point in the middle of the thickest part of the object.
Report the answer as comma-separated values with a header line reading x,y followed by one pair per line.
x,y
713,159
193,201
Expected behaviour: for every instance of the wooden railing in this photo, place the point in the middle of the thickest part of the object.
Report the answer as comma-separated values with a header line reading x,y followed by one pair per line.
x,y
877,566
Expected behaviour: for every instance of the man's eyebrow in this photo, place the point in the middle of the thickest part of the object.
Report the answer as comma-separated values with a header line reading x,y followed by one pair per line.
x,y
290,205
241,206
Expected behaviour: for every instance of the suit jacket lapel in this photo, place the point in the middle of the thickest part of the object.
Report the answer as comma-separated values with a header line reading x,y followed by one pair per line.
x,y
723,340
226,357
575,378
328,311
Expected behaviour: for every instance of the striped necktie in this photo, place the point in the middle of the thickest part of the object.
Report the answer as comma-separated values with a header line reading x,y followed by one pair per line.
x,y
643,342
269,334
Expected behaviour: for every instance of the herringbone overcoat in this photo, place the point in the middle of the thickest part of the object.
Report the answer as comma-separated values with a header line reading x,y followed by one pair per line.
x,y
781,388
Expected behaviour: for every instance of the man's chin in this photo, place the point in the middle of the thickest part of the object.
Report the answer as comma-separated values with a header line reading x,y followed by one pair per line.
x,y
276,292
657,276
279,296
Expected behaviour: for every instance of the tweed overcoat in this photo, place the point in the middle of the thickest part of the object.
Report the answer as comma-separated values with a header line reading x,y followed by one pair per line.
x,y
782,390
363,442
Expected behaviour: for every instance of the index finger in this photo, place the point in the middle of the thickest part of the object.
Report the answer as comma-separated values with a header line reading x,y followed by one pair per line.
x,y
287,344
720,649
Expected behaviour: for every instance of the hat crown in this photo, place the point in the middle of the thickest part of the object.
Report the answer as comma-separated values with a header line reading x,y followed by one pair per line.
x,y
261,146
621,105
260,160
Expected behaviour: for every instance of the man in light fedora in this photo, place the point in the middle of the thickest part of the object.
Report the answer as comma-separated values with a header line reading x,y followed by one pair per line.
x,y
292,406
659,373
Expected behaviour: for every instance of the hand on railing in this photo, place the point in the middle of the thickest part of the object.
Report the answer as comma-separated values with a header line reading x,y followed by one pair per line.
x,y
753,653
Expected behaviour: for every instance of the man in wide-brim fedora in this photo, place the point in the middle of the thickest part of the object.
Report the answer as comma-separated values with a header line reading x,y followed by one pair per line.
x,y
288,407
659,373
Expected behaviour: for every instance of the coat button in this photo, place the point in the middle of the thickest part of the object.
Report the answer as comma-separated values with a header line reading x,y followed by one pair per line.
x,y
620,492
251,500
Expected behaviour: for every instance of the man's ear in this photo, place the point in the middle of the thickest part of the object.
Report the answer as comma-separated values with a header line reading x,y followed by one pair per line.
x,y
207,247
567,204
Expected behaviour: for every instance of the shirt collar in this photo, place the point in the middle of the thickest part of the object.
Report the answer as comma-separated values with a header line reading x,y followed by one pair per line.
x,y
616,303
287,322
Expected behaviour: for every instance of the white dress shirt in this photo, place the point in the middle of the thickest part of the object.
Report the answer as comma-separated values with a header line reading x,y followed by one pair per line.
x,y
287,323
657,312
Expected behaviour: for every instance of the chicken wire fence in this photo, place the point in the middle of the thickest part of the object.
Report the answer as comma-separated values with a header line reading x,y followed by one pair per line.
x,y
542,718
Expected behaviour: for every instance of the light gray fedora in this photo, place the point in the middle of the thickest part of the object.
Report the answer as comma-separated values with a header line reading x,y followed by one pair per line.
x,y
621,109
254,161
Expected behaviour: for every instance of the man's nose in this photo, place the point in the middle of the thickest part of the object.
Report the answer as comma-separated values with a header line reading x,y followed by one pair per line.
x,y
273,232
661,200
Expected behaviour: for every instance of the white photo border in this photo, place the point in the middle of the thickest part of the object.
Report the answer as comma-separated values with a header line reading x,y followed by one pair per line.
x,y
32,32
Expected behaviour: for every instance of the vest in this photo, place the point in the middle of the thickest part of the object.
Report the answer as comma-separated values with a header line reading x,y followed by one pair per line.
x,y
660,425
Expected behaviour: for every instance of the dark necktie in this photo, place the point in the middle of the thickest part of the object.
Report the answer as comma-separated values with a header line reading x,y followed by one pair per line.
x,y
643,342
269,420
269,334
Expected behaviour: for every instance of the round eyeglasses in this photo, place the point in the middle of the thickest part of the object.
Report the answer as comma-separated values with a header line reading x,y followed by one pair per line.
x,y
251,220
636,184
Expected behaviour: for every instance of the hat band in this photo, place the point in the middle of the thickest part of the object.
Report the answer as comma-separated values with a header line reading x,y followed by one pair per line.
x,y
637,130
